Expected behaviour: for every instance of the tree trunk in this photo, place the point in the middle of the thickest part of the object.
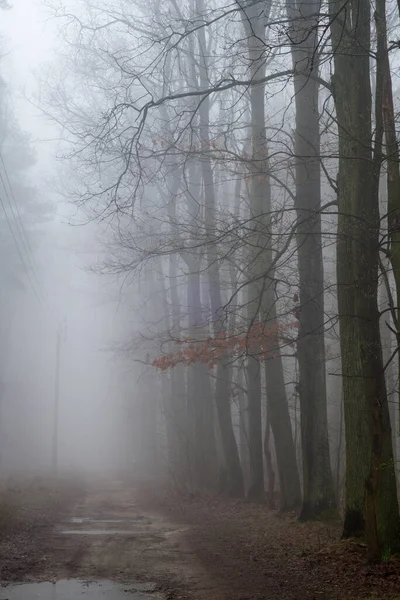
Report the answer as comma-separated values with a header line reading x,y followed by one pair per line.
x,y
268,463
149,451
387,353
338,465
243,430
178,399
277,406
261,287
393,186
256,483
204,464
178,385
172,447
318,489
223,376
371,497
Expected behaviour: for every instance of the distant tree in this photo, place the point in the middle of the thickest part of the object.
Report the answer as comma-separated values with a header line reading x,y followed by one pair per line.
x,y
21,209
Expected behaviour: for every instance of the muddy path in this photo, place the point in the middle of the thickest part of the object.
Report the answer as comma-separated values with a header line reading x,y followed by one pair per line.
x,y
115,541
107,536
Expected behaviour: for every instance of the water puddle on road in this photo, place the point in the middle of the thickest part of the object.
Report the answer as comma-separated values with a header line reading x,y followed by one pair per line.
x,y
88,520
70,589
98,532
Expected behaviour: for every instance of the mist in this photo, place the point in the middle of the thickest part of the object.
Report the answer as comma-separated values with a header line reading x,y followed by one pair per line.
x,y
200,273
61,286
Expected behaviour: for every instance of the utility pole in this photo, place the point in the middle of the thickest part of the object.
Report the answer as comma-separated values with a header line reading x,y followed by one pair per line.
x,y
61,337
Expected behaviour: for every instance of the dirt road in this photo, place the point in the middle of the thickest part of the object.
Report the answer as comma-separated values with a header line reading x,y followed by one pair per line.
x,y
106,536
119,542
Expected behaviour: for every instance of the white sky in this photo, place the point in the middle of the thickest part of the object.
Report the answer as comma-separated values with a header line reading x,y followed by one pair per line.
x,y
87,374
30,39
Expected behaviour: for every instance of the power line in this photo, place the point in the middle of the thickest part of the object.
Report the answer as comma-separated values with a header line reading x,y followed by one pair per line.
x,y
18,214
20,253
22,234
17,218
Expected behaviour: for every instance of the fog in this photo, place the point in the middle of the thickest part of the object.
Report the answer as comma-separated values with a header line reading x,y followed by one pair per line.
x,y
200,251
63,287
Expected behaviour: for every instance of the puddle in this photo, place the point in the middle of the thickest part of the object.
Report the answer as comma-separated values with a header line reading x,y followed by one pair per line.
x,y
86,520
98,532
78,520
70,589
177,531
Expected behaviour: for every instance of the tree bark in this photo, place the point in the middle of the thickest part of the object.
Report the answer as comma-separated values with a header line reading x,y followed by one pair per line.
x,y
318,488
178,385
261,287
243,430
268,463
178,396
223,376
393,180
371,499
200,413
277,406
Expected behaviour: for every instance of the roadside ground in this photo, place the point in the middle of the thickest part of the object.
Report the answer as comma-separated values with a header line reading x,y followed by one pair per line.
x,y
175,546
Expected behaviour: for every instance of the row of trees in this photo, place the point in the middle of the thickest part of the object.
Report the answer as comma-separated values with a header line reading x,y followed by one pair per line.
x,y
246,159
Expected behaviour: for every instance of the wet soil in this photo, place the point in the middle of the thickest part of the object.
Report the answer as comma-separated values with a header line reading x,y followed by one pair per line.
x,y
71,589
116,540
252,553
28,514
105,535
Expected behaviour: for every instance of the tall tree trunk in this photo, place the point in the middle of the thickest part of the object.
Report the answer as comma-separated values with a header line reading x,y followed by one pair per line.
x,y
393,180
268,463
256,483
371,497
388,316
243,430
178,399
223,376
261,288
338,470
204,463
277,406
172,450
148,443
387,352
178,384
318,489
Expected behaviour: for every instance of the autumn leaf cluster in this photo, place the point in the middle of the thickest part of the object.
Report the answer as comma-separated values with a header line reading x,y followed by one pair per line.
x,y
260,340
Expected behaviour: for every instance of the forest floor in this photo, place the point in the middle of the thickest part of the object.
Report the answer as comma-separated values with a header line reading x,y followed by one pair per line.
x,y
252,553
180,547
29,511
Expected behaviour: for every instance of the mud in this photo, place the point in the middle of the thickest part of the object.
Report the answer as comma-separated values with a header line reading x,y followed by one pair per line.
x,y
106,537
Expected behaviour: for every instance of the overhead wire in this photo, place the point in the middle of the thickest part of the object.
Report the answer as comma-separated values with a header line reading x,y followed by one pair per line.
x,y
20,253
16,212
30,268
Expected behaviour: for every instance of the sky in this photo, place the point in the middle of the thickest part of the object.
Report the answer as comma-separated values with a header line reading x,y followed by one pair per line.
x,y
31,43
89,373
